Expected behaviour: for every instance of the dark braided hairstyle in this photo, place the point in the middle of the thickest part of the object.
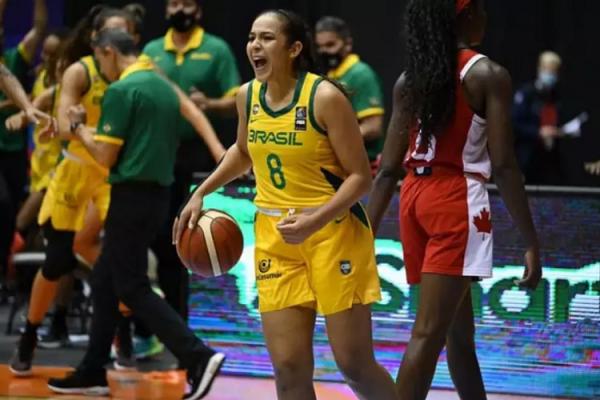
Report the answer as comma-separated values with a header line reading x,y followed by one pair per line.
x,y
432,63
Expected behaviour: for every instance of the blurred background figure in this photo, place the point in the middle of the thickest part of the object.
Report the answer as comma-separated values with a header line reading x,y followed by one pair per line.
x,y
537,117
363,86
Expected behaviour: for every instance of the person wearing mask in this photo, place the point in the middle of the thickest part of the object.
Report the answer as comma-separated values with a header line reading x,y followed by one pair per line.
x,y
134,140
203,66
334,43
536,118
16,62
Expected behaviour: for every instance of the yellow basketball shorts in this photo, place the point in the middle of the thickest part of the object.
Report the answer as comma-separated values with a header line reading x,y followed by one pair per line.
x,y
331,271
43,163
74,184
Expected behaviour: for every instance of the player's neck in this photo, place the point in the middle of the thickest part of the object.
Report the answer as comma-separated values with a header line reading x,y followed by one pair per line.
x,y
124,62
280,88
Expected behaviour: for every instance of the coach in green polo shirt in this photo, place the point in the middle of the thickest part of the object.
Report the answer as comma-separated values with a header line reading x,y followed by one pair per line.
x,y
134,140
201,64
204,67
334,44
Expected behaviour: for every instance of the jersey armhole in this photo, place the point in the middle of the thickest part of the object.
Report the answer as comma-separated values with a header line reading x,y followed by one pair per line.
x,y
88,85
311,112
249,100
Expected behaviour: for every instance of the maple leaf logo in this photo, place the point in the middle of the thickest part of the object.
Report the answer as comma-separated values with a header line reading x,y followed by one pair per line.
x,y
483,221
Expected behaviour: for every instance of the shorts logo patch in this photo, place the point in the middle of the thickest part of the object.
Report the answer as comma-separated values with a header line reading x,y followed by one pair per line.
x,y
264,265
482,222
107,128
345,267
300,124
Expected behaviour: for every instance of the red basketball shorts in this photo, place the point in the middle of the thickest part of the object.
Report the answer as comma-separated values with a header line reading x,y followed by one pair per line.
x,y
445,226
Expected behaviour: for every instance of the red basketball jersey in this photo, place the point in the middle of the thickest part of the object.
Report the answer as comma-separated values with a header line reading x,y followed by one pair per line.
x,y
463,143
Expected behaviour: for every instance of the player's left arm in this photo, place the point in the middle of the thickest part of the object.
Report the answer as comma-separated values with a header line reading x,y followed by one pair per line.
x,y
201,124
371,127
11,86
34,37
334,113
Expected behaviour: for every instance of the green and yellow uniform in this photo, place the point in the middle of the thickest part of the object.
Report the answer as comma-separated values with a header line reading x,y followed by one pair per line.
x,y
297,170
17,62
128,119
364,89
79,178
206,63
45,155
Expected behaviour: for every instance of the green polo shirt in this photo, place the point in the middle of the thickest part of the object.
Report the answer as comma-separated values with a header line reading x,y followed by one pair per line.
x,y
206,63
138,112
17,62
364,88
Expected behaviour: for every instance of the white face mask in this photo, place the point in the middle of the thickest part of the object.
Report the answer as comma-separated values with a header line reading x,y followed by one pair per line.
x,y
548,79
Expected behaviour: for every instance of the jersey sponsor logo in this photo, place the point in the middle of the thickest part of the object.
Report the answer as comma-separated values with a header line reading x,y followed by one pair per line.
x,y
106,128
264,265
300,122
255,109
274,275
278,138
345,267
201,56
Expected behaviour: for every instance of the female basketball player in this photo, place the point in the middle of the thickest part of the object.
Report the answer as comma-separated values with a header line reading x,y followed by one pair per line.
x,y
450,129
78,179
314,248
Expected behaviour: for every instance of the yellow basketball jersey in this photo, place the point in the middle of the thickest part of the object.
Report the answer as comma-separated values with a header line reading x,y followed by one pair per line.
x,y
92,101
39,85
293,161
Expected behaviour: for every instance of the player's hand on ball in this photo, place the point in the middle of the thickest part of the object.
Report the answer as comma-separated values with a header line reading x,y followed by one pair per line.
x,y
296,228
188,216
533,269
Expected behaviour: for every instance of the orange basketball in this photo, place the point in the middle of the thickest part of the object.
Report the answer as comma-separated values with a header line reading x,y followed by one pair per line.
x,y
213,247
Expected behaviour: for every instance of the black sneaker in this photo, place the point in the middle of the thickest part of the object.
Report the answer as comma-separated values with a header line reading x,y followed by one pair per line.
x,y
20,363
201,377
81,382
55,339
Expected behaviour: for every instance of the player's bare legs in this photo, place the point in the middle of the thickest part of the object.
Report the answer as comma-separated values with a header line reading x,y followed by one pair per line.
x,y
439,299
352,344
460,350
289,337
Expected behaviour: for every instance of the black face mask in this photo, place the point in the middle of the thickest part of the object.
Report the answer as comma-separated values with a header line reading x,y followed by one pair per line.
x,y
181,21
330,61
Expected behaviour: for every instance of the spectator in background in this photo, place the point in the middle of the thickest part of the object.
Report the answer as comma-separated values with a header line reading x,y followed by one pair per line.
x,y
362,84
537,119
204,67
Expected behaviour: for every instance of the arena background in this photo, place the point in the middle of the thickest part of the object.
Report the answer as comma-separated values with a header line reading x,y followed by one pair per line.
x,y
540,343
517,32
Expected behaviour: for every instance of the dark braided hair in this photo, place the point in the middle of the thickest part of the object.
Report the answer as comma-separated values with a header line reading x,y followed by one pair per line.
x,y
432,63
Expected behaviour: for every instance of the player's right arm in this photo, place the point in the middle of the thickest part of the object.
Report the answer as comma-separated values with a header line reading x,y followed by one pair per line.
x,y
394,149
235,163
74,84
43,102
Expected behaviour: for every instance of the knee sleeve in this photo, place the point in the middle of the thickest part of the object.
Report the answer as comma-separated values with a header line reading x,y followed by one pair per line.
x,y
60,259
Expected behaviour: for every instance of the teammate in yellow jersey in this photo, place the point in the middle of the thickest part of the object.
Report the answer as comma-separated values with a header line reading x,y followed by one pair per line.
x,y
314,247
78,179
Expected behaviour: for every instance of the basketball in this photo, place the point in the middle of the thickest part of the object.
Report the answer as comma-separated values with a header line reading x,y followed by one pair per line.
x,y
213,247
